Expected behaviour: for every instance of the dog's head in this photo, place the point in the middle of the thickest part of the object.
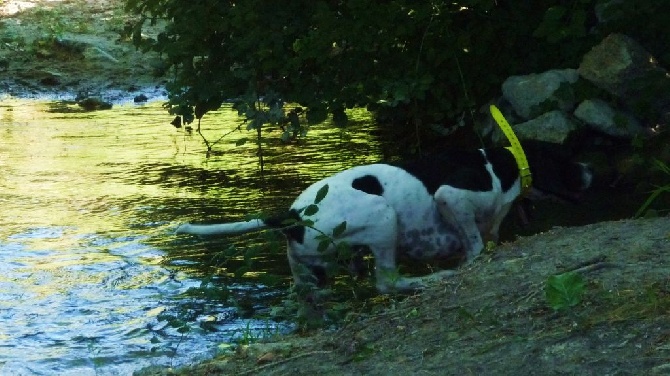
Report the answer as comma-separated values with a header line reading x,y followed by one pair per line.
x,y
554,172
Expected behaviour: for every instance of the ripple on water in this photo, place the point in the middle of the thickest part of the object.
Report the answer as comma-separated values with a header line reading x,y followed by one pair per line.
x,y
90,272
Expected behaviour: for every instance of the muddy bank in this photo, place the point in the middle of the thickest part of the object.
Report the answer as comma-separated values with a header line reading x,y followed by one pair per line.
x,y
494,319
73,49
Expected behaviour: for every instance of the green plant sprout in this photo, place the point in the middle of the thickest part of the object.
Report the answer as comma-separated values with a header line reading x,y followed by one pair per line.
x,y
565,290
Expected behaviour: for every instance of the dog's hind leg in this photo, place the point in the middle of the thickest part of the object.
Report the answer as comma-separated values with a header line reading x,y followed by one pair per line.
x,y
457,209
388,279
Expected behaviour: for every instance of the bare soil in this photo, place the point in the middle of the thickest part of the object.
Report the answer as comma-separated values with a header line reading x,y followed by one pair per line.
x,y
490,319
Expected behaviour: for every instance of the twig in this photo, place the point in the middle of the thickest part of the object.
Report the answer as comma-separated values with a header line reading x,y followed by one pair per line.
x,y
534,290
266,366
594,267
593,264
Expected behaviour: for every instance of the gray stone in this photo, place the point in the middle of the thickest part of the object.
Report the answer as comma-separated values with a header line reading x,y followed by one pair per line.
x,y
526,92
625,69
603,10
600,116
554,126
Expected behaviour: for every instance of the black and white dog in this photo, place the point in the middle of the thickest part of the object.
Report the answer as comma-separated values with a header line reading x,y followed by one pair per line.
x,y
430,208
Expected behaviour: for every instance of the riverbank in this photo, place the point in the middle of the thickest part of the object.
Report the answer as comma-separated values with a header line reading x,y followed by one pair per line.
x,y
73,49
494,319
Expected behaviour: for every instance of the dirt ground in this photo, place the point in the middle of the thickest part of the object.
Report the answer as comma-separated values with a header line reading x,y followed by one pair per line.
x,y
491,319
494,319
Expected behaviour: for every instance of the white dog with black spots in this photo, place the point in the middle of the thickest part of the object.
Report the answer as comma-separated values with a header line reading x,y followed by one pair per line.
x,y
426,209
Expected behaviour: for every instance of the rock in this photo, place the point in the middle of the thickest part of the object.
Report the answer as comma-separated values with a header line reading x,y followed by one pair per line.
x,y
70,46
94,104
598,115
554,126
525,93
603,10
626,70
50,80
140,98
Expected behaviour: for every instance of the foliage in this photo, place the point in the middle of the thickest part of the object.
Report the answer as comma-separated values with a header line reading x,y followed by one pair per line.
x,y
565,290
310,305
656,192
422,64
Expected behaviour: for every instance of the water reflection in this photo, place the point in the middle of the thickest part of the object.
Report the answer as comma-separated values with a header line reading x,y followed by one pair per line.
x,y
90,274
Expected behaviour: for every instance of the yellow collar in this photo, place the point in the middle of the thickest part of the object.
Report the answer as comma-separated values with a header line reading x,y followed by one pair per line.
x,y
516,149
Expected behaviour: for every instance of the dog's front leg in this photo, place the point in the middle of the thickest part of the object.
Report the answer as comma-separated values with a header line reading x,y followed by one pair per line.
x,y
494,228
304,274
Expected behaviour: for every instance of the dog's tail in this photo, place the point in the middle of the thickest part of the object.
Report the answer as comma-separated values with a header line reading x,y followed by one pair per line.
x,y
281,221
234,228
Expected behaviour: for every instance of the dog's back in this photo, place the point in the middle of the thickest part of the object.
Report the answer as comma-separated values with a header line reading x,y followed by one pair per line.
x,y
380,195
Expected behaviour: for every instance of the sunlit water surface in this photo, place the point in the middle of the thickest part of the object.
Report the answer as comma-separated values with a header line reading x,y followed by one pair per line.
x,y
90,272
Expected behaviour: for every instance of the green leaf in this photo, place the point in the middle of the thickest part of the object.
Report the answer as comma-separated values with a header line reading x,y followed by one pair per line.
x,y
652,197
311,210
322,237
343,251
323,245
304,222
241,141
662,166
339,229
183,329
555,14
321,194
270,279
564,290
289,222
239,272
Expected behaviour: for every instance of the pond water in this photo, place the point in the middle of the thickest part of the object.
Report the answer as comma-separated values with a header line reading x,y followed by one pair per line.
x,y
92,280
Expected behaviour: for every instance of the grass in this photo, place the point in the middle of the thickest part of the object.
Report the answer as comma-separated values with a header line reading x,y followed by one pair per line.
x,y
644,209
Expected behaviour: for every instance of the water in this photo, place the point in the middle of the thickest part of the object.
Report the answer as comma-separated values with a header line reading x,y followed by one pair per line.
x,y
91,277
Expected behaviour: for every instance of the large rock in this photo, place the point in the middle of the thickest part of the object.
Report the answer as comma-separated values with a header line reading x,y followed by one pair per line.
x,y
600,116
525,93
625,69
554,126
